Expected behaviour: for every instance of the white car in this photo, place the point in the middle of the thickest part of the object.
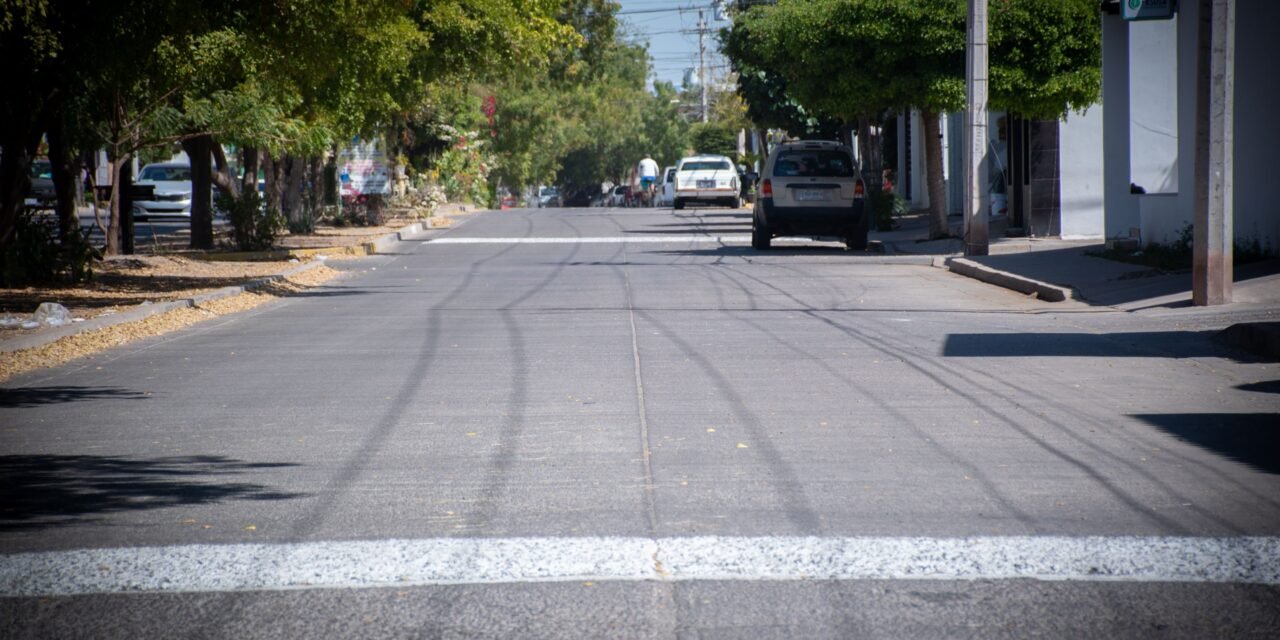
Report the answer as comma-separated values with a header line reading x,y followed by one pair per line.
x,y
548,197
666,194
810,188
706,178
618,196
171,182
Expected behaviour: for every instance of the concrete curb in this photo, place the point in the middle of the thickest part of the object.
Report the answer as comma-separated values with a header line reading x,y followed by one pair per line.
x,y
372,247
141,312
1042,290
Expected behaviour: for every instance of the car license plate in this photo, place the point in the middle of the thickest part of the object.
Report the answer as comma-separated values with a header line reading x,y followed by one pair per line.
x,y
813,195
706,184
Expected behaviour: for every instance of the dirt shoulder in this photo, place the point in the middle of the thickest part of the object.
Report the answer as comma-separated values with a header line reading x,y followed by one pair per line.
x,y
160,275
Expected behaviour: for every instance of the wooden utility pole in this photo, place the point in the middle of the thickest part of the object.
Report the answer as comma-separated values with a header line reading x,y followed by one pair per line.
x,y
976,224
1212,268
702,63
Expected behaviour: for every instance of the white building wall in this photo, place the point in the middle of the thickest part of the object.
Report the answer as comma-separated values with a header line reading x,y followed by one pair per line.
x,y
919,195
1081,178
1153,105
1121,207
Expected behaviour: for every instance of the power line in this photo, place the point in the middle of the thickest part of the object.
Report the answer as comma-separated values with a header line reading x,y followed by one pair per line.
x,y
675,9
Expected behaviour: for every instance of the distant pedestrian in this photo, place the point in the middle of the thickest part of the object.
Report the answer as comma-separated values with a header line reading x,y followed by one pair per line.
x,y
648,171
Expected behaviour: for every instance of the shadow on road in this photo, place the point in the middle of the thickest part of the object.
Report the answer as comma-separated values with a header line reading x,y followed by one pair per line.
x,y
36,396
42,491
1149,344
1269,386
1248,438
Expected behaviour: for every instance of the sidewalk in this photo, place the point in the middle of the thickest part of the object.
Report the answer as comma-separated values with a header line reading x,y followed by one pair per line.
x,y
1056,270
297,256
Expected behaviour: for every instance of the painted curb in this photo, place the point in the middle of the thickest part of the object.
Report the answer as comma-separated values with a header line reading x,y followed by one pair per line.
x,y
1042,290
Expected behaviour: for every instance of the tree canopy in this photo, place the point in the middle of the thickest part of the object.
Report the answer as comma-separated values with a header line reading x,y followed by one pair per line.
x,y
851,58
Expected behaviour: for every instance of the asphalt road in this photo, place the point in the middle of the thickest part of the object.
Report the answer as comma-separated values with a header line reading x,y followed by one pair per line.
x,y
627,423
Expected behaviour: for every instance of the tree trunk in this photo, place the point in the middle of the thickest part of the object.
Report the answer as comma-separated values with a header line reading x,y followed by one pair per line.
x,y
249,161
200,150
291,201
315,184
274,182
113,209
121,229
222,178
15,167
938,227
65,167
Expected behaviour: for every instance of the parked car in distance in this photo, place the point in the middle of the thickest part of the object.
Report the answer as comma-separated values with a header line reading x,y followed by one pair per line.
x,y
548,197
172,190
618,196
666,194
708,179
810,188
40,194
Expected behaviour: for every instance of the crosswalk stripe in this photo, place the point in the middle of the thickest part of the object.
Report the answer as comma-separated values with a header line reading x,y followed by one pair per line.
x,y
359,564
734,239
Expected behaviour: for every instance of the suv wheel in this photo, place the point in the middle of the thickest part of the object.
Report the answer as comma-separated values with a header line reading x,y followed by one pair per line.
x,y
760,238
678,203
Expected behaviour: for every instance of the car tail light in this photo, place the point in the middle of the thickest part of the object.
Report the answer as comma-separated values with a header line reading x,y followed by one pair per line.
x,y
766,189
859,189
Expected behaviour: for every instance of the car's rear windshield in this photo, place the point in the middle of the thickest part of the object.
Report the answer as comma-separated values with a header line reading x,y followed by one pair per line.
x,y
166,174
41,169
814,163
706,165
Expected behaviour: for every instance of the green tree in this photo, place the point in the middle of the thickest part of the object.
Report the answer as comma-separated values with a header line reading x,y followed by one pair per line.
x,y
588,117
852,58
714,137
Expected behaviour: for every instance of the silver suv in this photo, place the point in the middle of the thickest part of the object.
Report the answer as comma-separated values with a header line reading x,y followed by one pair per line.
x,y
810,188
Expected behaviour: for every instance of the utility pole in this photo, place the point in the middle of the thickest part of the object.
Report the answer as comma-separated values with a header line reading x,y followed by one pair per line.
x,y
976,225
702,62
1212,261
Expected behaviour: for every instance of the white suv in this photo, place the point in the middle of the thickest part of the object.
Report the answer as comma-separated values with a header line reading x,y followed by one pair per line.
x,y
706,178
810,188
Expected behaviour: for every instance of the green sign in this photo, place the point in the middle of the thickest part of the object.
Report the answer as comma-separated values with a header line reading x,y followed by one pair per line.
x,y
1149,9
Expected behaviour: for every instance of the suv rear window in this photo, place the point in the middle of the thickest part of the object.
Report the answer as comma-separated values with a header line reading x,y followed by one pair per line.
x,y
813,163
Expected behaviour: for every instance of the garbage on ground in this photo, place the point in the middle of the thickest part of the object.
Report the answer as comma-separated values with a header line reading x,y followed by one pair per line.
x,y
48,314
51,314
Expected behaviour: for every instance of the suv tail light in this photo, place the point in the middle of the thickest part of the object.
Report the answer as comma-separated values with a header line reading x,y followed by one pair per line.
x,y
859,189
766,189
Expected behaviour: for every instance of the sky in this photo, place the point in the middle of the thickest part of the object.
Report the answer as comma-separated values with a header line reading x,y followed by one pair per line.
x,y
670,28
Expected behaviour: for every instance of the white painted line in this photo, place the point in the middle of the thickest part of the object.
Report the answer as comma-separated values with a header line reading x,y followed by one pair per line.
x,y
596,240
739,239
512,560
